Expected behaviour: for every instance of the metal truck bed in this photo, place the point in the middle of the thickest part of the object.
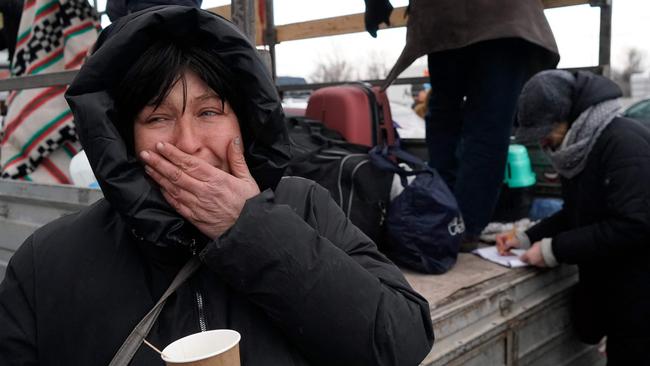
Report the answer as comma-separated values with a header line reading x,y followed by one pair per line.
x,y
25,206
483,314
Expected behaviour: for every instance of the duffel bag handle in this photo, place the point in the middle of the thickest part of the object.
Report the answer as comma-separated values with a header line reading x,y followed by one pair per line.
x,y
381,157
404,156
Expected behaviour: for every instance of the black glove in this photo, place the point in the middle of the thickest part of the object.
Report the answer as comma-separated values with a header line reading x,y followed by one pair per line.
x,y
377,12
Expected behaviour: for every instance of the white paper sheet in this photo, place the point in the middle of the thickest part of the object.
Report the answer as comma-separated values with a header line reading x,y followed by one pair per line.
x,y
512,261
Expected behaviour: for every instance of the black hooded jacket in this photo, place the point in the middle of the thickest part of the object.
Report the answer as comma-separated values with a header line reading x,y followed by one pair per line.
x,y
604,226
300,283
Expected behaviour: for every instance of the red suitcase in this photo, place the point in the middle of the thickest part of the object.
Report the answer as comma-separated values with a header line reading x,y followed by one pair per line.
x,y
358,112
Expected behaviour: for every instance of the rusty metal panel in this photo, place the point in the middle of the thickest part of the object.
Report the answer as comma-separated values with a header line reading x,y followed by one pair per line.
x,y
543,327
546,337
243,16
564,350
501,298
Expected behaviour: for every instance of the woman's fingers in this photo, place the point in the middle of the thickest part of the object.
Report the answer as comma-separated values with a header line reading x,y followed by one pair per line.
x,y
205,195
524,257
168,173
173,190
534,256
501,244
238,167
505,242
180,207
500,239
192,166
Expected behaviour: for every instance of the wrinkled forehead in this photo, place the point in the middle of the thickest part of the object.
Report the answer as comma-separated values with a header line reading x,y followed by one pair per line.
x,y
189,86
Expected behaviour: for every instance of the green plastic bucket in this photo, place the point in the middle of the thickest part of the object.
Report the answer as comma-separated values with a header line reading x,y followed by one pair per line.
x,y
519,172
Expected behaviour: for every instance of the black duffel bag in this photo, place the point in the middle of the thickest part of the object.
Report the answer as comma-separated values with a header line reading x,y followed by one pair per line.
x,y
344,169
424,222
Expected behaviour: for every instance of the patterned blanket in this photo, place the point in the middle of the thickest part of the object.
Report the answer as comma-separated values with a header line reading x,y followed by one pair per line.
x,y
38,138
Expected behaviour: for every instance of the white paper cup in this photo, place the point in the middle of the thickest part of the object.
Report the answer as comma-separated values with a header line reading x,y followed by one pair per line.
x,y
212,348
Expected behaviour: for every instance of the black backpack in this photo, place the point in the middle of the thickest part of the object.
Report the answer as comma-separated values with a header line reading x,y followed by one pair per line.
x,y
345,170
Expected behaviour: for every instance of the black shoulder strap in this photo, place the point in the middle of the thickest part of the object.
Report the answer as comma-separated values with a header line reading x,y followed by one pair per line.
x,y
134,340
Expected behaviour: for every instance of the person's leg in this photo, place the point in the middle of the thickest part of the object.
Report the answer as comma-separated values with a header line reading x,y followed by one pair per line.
x,y
498,71
444,116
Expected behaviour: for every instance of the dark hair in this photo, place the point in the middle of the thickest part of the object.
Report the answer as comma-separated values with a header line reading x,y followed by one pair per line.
x,y
156,72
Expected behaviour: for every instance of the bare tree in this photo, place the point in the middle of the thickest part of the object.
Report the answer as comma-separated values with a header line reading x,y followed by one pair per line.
x,y
376,66
332,69
634,63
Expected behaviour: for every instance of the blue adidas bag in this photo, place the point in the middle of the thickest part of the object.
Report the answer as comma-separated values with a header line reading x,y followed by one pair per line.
x,y
424,222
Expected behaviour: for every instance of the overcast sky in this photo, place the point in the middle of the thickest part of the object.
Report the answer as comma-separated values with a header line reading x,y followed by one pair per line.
x,y
576,31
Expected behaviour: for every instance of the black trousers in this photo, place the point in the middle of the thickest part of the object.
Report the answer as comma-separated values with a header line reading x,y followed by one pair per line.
x,y
470,117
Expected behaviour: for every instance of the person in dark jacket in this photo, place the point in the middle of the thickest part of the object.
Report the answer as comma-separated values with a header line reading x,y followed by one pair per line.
x,y
480,54
184,130
604,226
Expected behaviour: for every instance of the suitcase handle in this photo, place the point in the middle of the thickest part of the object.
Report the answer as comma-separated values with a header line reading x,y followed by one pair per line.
x,y
315,130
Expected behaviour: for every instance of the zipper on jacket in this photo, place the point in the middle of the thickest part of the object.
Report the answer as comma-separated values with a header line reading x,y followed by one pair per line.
x,y
203,324
135,235
193,247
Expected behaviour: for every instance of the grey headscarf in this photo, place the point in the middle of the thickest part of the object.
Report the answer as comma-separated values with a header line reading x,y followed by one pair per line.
x,y
586,101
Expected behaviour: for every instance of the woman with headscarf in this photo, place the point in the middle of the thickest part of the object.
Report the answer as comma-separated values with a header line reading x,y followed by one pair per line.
x,y
604,227
185,132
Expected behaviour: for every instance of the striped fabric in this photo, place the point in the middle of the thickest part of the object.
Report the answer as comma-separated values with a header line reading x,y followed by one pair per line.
x,y
38,137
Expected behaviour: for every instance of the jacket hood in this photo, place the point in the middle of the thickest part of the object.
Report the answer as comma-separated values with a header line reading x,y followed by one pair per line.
x,y
120,175
591,89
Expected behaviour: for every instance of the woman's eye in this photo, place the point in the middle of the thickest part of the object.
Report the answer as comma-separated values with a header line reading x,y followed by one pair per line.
x,y
156,119
211,113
